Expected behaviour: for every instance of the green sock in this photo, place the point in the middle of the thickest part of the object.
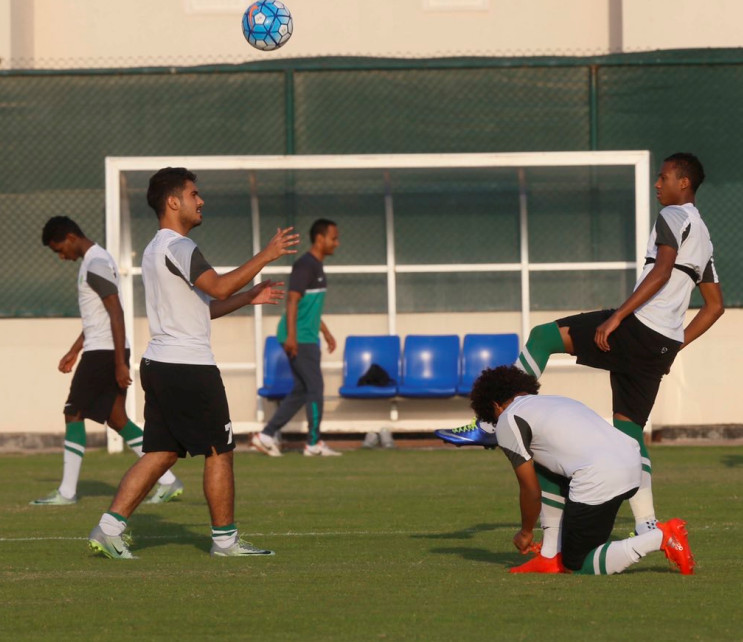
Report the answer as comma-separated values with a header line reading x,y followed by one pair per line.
x,y
595,562
132,435
74,436
74,449
543,341
631,429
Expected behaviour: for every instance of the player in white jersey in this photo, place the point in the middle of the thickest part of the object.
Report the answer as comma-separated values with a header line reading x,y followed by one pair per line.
x,y
98,388
186,408
596,466
638,342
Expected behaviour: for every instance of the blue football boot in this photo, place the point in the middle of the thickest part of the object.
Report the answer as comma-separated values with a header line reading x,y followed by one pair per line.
x,y
470,435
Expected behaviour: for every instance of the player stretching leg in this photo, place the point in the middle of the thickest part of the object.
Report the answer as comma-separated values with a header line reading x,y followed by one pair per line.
x,y
99,384
638,342
598,466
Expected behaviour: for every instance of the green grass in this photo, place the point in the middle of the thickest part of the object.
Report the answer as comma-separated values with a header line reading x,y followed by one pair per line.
x,y
374,545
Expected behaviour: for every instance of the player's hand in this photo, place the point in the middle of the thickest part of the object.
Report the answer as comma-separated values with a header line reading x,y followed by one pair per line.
x,y
66,362
330,340
523,541
601,338
281,243
122,376
290,347
267,292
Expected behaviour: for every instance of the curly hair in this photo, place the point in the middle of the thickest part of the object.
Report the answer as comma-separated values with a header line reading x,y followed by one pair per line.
x,y
498,385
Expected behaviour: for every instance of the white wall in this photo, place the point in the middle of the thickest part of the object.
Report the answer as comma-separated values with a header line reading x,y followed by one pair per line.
x,y
682,24
702,388
89,33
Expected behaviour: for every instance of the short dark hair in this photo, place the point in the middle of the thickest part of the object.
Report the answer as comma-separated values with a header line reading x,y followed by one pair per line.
x,y
498,385
320,226
688,166
166,182
57,228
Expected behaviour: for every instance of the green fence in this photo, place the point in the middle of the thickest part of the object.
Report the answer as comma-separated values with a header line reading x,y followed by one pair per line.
x,y
56,128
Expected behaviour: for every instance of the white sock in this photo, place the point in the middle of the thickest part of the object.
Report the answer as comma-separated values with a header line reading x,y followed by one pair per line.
x,y
550,519
642,505
617,556
111,526
167,478
224,536
73,461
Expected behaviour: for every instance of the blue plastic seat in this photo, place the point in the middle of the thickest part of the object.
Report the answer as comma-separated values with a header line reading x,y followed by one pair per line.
x,y
278,380
359,353
430,366
480,351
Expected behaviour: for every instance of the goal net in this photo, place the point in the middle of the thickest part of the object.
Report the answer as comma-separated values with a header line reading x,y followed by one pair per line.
x,y
428,241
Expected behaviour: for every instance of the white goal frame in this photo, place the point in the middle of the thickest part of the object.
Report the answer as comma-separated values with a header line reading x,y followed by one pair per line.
x,y
118,226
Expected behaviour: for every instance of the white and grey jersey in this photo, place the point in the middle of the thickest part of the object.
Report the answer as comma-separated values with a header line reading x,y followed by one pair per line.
x,y
682,228
97,279
571,440
177,311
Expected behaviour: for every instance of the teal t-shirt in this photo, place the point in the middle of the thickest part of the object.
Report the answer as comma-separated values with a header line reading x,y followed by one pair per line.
x,y
307,278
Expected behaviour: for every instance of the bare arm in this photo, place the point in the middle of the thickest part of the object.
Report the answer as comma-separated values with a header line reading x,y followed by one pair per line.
x,y
292,304
329,338
68,360
712,309
650,286
222,286
116,315
530,500
265,292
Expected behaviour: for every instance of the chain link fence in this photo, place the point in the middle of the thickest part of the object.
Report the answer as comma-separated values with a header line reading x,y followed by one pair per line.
x,y
56,128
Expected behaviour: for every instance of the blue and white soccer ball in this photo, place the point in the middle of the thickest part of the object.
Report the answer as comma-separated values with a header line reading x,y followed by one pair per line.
x,y
267,24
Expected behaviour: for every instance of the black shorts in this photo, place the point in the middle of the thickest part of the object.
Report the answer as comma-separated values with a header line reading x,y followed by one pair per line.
x,y
587,526
185,409
94,388
637,361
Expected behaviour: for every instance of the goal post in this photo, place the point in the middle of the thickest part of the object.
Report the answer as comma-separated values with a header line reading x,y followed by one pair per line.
x,y
390,180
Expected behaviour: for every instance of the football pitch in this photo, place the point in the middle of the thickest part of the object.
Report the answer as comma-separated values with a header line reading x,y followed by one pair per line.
x,y
374,545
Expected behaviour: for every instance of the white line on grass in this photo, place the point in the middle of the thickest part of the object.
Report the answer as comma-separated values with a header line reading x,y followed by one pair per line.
x,y
290,534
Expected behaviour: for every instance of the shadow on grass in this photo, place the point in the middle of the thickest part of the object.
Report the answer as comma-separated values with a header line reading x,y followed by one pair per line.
x,y
152,530
505,560
468,533
93,488
732,461
475,554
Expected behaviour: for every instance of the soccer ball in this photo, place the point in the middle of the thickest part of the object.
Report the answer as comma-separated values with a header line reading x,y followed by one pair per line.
x,y
267,24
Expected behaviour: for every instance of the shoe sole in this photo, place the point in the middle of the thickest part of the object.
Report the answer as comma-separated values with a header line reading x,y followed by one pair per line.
x,y
467,444
95,546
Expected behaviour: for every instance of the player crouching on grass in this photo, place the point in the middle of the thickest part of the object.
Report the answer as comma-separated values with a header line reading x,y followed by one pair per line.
x,y
595,466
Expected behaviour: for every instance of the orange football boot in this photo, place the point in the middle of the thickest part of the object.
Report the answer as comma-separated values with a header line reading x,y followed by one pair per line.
x,y
676,544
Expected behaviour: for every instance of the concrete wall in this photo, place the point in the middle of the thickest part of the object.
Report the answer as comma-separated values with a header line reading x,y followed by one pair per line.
x,y
701,389
83,33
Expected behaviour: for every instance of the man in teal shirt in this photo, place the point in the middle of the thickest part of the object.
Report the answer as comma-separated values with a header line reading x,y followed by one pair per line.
x,y
298,331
